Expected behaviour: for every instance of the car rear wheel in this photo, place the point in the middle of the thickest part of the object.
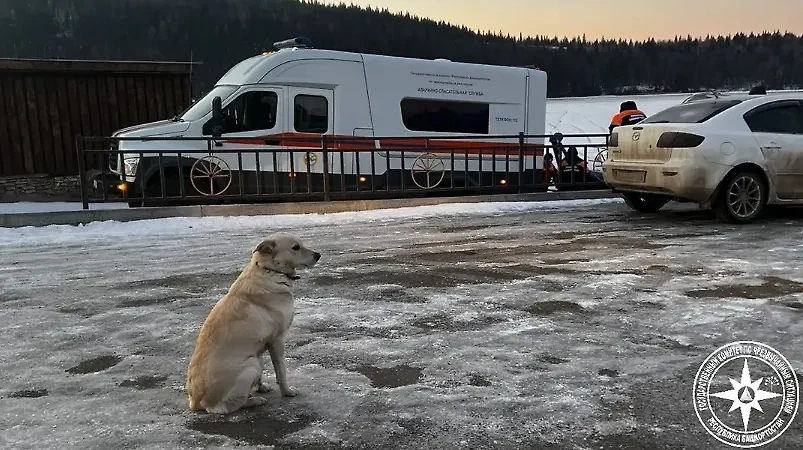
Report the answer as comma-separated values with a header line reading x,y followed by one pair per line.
x,y
742,198
645,203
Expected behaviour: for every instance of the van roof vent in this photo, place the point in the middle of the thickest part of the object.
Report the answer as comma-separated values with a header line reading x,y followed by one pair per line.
x,y
299,42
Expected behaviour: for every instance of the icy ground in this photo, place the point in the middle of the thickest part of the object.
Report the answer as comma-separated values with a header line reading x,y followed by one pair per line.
x,y
507,326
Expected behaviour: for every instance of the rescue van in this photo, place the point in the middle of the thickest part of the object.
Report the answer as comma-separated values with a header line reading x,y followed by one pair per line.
x,y
274,108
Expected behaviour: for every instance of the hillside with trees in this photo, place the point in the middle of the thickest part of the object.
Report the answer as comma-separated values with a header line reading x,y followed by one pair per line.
x,y
219,33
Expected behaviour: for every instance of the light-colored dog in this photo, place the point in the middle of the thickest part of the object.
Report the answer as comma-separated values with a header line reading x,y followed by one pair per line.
x,y
254,316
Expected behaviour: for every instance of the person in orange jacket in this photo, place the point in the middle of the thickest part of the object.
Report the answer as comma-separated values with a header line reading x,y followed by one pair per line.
x,y
629,114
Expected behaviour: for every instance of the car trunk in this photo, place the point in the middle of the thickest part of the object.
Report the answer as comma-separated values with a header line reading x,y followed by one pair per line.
x,y
639,144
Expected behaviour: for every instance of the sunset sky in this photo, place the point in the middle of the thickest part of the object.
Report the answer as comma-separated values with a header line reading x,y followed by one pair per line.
x,y
651,18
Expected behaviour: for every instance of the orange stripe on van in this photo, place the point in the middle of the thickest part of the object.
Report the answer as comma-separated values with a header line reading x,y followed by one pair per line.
x,y
344,143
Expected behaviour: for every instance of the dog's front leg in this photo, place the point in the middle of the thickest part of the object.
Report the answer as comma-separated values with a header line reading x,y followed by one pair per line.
x,y
276,350
262,387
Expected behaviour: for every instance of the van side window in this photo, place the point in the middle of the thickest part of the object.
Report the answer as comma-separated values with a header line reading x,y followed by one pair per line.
x,y
444,116
311,114
251,111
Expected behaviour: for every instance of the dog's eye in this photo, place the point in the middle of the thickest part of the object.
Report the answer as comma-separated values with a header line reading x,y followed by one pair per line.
x,y
296,247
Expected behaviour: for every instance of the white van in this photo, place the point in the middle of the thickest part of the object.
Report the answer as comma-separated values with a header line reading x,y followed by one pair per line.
x,y
277,106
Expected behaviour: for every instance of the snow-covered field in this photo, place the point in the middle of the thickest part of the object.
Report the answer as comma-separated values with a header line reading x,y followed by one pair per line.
x,y
591,115
560,325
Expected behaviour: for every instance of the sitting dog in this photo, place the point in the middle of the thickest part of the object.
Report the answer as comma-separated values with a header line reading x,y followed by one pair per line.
x,y
254,316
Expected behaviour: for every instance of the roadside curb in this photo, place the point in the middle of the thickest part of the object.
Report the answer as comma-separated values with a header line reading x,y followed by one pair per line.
x,y
79,217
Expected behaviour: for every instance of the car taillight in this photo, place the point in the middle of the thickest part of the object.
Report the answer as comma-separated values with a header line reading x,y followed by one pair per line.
x,y
613,140
679,139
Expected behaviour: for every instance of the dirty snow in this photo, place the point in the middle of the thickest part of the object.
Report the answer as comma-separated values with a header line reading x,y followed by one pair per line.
x,y
180,226
38,207
459,326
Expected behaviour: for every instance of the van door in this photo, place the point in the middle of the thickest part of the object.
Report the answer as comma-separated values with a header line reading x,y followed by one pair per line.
x,y
311,114
252,118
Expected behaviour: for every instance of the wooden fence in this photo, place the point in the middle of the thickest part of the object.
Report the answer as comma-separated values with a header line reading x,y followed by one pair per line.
x,y
46,104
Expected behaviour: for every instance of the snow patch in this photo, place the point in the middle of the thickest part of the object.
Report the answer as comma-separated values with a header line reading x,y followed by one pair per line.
x,y
39,207
223,226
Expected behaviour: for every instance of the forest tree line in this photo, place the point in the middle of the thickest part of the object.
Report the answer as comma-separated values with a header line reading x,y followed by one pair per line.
x,y
220,33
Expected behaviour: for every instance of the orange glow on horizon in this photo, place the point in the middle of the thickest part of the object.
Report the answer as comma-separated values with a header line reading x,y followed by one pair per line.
x,y
594,18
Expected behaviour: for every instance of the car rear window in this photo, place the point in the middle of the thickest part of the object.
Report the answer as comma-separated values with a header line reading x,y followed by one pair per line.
x,y
694,112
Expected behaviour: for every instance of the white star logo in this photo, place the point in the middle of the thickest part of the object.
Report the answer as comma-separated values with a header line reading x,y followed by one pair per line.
x,y
746,394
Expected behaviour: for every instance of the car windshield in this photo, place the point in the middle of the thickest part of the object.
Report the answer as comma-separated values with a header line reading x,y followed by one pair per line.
x,y
204,105
693,112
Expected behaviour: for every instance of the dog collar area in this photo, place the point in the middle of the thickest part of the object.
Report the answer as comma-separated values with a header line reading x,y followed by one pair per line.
x,y
292,277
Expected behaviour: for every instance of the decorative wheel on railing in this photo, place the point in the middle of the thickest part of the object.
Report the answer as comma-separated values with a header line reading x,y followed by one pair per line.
x,y
310,159
427,171
601,157
208,174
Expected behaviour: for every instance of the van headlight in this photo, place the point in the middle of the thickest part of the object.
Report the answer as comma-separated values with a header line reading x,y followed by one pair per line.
x,y
130,166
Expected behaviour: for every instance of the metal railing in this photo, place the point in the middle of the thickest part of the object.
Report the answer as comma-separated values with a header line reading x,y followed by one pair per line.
x,y
193,170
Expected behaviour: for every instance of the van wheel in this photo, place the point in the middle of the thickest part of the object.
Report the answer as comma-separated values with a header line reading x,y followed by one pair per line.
x,y
153,191
645,203
742,198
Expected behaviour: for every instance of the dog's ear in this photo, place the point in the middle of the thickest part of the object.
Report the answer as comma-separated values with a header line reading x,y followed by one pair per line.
x,y
267,247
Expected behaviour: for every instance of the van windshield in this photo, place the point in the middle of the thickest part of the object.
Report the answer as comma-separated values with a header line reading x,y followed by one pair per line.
x,y
204,105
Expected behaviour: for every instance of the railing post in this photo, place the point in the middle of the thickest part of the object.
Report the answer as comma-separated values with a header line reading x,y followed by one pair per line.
x,y
325,156
522,162
79,149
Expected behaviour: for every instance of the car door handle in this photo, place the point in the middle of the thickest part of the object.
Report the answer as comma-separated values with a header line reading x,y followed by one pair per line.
x,y
771,147
272,142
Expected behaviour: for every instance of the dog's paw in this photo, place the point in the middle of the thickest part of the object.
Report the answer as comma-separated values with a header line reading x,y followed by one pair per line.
x,y
263,388
254,401
288,391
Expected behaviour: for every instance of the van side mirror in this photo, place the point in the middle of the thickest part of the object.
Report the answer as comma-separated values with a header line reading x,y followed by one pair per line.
x,y
217,120
217,108
217,131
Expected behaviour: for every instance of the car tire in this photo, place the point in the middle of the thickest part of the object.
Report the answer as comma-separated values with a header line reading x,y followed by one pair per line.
x,y
645,203
742,197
